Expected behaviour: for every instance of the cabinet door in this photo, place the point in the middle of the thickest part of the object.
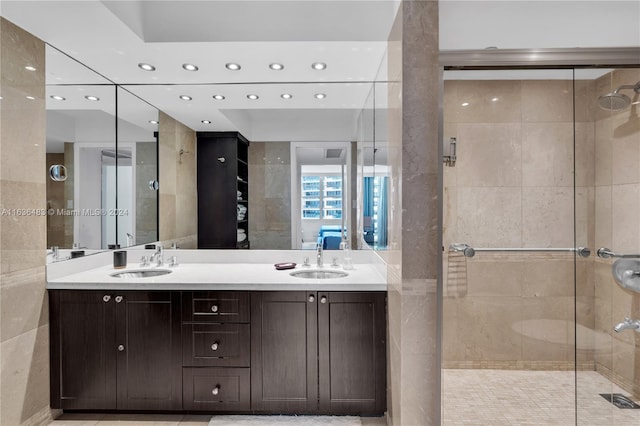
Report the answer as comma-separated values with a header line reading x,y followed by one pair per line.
x,y
284,372
83,350
352,352
149,350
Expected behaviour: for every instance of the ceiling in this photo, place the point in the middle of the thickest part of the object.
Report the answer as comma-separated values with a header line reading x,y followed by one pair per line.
x,y
349,36
113,37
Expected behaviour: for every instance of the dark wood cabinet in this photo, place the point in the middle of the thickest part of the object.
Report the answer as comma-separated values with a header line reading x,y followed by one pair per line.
x,y
82,348
318,352
288,352
115,350
149,351
216,348
284,363
223,190
352,352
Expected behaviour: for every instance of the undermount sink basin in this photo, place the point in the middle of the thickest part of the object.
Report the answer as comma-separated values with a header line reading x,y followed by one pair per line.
x,y
318,274
144,273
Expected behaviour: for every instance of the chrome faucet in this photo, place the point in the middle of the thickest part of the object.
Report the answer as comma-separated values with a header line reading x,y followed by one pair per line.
x,y
627,324
158,256
54,252
319,255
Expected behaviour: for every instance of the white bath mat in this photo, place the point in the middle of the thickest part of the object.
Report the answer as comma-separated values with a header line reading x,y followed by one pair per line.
x,y
285,421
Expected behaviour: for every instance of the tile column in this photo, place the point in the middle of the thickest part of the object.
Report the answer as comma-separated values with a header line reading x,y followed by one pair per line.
x,y
24,321
415,254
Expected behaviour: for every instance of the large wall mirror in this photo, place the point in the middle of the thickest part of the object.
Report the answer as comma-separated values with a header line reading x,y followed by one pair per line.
x,y
102,137
107,138
311,145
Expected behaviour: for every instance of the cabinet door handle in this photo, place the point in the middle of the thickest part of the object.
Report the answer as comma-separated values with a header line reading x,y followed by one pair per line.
x,y
120,348
118,299
216,390
214,346
214,308
106,298
323,299
312,298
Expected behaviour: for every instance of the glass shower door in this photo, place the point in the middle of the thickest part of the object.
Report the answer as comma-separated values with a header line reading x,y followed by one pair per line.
x,y
515,197
608,130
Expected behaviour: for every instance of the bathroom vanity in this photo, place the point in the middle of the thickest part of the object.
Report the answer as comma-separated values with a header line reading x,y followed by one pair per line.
x,y
199,340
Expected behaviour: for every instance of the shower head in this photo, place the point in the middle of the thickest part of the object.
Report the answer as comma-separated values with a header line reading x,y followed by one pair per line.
x,y
615,101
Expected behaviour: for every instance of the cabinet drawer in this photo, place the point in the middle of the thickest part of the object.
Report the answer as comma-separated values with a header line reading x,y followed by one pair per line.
x,y
215,306
216,345
216,389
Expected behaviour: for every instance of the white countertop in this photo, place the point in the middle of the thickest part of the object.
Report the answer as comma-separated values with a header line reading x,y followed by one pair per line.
x,y
223,276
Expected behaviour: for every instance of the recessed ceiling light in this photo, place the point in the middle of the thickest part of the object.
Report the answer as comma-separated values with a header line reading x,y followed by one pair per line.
x,y
30,68
30,97
58,97
146,67
253,97
318,66
185,97
232,66
276,66
205,122
190,67
286,96
465,104
496,99
153,122
92,98
320,95
218,97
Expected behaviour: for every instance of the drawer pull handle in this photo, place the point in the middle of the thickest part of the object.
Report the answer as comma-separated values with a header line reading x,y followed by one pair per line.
x,y
216,390
118,299
312,298
106,298
214,346
323,299
120,348
214,308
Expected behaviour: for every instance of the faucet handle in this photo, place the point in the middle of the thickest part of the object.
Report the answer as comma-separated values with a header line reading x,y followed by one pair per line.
x,y
173,261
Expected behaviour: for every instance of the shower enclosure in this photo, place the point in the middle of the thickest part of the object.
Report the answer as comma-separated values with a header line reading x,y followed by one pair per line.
x,y
547,171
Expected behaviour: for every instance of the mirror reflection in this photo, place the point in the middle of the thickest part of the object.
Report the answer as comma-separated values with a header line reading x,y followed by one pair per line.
x,y
334,143
105,201
81,107
137,165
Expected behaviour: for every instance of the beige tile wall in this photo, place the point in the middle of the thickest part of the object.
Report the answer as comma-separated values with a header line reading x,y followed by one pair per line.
x,y
178,194
24,329
413,255
269,196
512,186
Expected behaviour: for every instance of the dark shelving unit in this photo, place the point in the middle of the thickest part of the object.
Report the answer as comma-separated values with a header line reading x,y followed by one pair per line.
x,y
223,171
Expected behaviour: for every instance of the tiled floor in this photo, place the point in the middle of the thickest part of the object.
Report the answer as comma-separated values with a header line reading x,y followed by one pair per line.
x,y
500,397
83,419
